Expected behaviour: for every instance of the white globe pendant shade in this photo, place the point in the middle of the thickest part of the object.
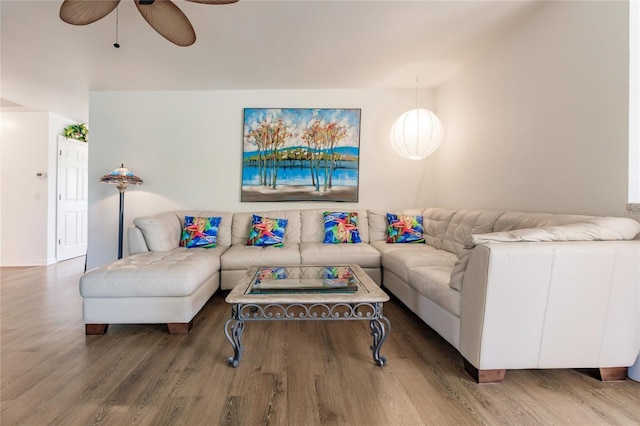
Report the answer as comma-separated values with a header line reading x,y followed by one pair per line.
x,y
416,134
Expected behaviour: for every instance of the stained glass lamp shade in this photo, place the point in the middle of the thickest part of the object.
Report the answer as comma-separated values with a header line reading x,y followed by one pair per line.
x,y
122,177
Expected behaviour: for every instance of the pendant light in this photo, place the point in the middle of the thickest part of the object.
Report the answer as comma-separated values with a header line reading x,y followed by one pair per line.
x,y
417,133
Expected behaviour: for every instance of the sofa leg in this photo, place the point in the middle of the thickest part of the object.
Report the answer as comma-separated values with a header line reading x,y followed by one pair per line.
x,y
95,329
612,374
484,376
179,327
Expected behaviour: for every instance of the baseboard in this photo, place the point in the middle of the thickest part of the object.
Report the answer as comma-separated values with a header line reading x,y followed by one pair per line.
x,y
24,262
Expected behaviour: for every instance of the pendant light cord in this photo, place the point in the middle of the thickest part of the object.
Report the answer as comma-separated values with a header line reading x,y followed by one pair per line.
x,y
417,77
424,171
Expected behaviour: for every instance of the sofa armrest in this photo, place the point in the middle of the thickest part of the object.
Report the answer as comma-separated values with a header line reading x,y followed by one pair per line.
x,y
551,305
135,240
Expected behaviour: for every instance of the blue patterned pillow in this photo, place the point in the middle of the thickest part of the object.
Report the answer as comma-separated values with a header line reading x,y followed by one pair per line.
x,y
200,232
405,229
341,227
267,232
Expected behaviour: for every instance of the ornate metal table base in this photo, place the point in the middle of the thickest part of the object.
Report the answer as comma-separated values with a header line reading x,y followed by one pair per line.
x,y
379,324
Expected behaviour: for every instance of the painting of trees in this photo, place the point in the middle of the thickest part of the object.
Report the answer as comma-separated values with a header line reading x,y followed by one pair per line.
x,y
300,154
269,137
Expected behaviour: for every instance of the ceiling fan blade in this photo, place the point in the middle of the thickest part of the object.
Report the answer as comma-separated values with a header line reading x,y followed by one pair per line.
x,y
83,12
169,21
214,1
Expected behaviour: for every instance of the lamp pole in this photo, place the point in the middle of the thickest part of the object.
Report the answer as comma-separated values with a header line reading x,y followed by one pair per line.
x,y
121,189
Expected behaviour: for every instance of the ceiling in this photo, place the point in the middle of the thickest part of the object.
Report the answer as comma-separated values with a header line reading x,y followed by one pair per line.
x,y
253,44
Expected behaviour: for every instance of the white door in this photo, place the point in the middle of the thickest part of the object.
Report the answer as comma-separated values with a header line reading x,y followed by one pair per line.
x,y
73,163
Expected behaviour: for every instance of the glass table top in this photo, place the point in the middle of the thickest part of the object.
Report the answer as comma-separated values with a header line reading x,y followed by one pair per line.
x,y
305,279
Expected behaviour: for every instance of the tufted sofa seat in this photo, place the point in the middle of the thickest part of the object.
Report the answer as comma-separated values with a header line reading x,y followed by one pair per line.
x,y
155,287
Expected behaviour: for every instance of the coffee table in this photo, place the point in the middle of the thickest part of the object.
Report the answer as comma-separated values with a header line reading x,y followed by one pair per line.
x,y
294,293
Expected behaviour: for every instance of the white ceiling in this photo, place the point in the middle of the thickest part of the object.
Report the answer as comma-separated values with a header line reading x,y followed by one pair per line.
x,y
50,65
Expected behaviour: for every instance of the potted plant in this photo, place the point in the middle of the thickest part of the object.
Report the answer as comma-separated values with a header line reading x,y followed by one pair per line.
x,y
77,131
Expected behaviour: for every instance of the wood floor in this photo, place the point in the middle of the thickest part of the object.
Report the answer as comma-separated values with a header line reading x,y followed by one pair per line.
x,y
292,373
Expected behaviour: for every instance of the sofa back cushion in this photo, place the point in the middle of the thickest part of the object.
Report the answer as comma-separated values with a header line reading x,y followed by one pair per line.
x,y
594,229
313,224
436,222
161,231
241,225
224,228
463,224
509,221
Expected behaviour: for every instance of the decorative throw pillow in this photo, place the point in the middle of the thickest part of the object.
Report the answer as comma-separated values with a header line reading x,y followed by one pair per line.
x,y
275,273
267,232
200,232
405,229
341,227
337,272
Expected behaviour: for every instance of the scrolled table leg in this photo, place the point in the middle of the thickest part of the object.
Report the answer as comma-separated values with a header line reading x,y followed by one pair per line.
x,y
380,328
235,338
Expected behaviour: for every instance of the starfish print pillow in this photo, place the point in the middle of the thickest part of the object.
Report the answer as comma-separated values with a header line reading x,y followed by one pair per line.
x,y
341,227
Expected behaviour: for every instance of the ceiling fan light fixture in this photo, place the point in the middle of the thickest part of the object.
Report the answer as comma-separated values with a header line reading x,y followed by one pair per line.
x,y
163,16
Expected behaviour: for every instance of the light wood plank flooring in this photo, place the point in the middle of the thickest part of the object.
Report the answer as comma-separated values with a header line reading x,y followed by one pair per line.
x,y
292,373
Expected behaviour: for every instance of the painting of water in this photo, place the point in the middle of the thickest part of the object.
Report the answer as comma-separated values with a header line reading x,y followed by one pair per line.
x,y
300,154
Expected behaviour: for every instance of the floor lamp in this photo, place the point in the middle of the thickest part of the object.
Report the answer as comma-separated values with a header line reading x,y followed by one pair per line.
x,y
121,177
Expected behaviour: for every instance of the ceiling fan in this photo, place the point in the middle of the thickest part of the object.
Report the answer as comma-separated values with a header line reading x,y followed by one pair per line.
x,y
163,16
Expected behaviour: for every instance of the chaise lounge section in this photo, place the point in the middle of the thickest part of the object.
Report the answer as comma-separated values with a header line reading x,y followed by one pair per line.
x,y
159,282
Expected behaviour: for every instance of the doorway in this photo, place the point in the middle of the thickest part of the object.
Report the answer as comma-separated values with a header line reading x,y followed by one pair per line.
x,y
72,200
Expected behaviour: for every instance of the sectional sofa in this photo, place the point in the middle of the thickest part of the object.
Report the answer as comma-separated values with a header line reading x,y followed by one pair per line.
x,y
508,290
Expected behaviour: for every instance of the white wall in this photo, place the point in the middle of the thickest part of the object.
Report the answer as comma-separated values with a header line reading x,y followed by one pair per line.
x,y
28,220
187,146
540,122
634,101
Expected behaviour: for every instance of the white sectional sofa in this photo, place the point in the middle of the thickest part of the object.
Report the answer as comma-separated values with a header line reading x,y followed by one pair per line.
x,y
516,290
509,290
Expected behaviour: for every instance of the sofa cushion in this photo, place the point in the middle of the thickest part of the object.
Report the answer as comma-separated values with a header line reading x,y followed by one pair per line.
x,y
241,225
224,227
313,225
600,228
341,227
410,256
378,225
463,224
433,282
266,231
436,222
404,228
178,272
242,256
509,221
338,254
200,232
161,232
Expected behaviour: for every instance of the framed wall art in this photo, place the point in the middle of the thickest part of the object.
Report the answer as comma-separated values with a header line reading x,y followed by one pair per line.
x,y
300,154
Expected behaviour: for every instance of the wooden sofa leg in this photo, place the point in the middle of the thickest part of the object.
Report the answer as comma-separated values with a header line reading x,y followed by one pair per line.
x,y
179,327
612,374
484,376
95,329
